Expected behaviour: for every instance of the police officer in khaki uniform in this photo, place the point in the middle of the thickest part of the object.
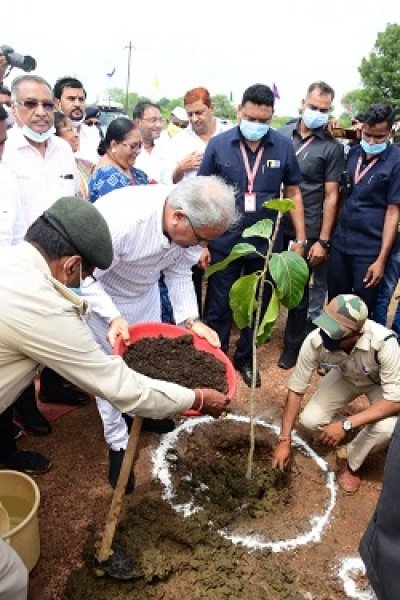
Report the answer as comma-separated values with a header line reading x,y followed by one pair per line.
x,y
363,358
42,323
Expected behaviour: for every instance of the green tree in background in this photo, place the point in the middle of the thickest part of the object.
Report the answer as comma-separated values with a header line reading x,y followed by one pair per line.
x,y
380,72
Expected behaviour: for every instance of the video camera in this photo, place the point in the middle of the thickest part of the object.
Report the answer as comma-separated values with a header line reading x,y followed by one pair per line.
x,y
345,134
26,63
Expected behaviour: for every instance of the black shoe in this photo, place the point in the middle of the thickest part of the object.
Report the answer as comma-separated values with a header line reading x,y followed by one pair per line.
x,y
245,368
26,461
288,358
30,416
17,431
66,393
158,425
115,458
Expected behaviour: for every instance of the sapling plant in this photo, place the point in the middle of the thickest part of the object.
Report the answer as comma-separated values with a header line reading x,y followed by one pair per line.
x,y
288,274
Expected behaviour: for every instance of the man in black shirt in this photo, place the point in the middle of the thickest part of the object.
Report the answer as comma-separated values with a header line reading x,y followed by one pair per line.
x,y
321,161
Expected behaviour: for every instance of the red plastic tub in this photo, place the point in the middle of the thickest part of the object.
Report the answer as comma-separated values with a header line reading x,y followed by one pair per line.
x,y
142,330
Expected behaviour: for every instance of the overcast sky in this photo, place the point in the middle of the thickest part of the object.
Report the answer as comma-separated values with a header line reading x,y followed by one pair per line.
x,y
224,46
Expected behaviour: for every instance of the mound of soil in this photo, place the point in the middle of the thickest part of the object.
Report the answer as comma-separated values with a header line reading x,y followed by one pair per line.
x,y
178,361
186,557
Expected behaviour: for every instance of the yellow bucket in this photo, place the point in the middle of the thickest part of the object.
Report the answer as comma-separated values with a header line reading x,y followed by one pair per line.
x,y
20,496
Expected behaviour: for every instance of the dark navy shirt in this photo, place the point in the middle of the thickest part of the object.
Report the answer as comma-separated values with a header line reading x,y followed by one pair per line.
x,y
321,161
360,224
278,166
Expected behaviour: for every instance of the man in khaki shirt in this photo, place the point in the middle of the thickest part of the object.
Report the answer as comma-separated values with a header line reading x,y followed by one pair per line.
x,y
41,319
363,358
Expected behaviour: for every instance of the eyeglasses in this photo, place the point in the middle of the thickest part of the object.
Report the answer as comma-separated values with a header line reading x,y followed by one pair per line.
x,y
196,235
90,123
154,120
134,146
47,105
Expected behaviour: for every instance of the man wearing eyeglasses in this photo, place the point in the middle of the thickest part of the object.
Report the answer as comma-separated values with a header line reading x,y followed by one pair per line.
x,y
70,98
153,228
153,157
45,169
43,163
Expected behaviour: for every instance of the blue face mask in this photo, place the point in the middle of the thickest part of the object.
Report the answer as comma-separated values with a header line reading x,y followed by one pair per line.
x,y
77,290
253,131
313,118
373,148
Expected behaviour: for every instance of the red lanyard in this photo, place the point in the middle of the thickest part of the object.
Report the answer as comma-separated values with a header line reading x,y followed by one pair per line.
x,y
360,174
251,174
304,146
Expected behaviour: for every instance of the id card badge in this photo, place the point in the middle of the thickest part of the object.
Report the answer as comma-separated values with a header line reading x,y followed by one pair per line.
x,y
249,202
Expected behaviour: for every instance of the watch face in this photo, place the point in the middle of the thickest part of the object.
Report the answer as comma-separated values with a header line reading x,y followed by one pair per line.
x,y
347,425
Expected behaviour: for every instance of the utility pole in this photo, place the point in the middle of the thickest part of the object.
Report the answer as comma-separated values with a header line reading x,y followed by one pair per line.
x,y
129,46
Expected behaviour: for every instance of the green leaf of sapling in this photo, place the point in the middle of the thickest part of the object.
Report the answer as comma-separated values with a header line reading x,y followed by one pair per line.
x,y
262,228
237,251
242,299
283,205
269,319
289,271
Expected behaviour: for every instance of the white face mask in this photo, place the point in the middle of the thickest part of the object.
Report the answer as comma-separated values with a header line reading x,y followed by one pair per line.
x,y
77,124
34,136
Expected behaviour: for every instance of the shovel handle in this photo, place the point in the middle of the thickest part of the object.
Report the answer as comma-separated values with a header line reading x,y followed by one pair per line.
x,y
119,492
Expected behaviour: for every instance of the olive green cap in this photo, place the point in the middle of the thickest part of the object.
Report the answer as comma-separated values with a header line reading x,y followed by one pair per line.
x,y
81,224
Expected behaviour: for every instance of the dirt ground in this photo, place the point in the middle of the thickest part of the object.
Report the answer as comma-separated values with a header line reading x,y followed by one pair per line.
x,y
195,561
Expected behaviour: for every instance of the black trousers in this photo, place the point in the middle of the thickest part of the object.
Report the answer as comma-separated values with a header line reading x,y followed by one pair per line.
x,y
217,311
7,442
379,546
296,323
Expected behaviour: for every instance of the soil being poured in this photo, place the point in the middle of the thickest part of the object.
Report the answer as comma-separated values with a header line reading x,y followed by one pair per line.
x,y
178,361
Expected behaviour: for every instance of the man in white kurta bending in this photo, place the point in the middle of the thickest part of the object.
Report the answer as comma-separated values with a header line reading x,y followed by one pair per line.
x,y
154,229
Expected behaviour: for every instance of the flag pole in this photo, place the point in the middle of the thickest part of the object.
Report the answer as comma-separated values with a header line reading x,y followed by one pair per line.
x,y
129,46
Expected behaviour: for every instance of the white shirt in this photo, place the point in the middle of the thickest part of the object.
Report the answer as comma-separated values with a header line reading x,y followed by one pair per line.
x,y
187,141
155,163
41,180
12,222
89,140
141,251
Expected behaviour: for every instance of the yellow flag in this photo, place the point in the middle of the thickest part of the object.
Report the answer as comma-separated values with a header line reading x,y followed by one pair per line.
x,y
156,82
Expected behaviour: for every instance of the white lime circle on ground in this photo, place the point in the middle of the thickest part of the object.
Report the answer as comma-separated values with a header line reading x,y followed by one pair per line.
x,y
352,566
161,469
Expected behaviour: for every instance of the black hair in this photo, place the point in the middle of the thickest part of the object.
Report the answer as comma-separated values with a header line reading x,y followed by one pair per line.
x,y
259,94
140,107
117,131
51,241
360,117
59,121
379,113
324,88
3,113
65,82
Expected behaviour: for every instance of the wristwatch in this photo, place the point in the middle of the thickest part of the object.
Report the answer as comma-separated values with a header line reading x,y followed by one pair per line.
x,y
325,244
346,424
300,242
188,323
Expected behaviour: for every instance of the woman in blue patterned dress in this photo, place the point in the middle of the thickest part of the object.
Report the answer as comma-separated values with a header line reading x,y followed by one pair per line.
x,y
119,150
